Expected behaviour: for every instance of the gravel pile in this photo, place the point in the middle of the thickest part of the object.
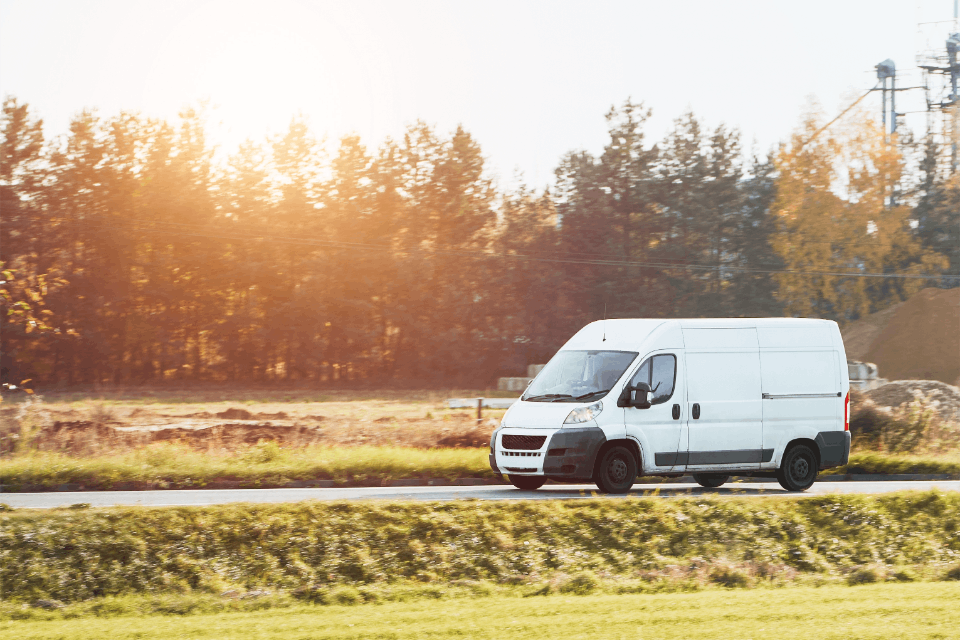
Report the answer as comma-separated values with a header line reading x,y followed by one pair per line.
x,y
939,396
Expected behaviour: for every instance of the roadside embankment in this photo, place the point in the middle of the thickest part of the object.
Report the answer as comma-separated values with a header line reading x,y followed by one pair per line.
x,y
352,552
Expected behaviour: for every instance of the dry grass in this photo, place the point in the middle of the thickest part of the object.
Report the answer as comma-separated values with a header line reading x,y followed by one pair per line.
x,y
914,427
111,425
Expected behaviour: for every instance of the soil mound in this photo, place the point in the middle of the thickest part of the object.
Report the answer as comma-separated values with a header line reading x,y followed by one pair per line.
x,y
942,398
235,414
859,336
917,339
232,435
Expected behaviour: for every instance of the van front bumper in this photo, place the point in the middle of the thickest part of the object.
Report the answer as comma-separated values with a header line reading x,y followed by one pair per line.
x,y
567,453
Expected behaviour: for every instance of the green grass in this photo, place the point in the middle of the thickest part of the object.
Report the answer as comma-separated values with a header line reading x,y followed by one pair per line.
x,y
925,610
263,465
390,550
885,463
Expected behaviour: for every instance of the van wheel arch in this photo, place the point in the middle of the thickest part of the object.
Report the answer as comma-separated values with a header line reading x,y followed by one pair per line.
x,y
631,446
806,441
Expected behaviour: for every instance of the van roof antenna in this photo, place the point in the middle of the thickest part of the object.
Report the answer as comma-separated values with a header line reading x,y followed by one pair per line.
x,y
604,322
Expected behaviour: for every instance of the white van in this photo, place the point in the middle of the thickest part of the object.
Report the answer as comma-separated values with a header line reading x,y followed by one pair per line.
x,y
715,398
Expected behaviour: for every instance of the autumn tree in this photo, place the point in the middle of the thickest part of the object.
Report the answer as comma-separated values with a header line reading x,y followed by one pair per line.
x,y
838,227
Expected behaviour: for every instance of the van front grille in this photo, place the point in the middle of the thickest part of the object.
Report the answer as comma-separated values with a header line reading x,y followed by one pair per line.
x,y
529,443
520,469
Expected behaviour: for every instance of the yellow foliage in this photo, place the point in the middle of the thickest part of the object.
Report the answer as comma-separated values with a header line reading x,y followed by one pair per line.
x,y
835,217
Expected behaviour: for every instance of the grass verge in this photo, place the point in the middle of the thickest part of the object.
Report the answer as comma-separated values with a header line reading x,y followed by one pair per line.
x,y
263,465
875,611
170,466
887,464
382,551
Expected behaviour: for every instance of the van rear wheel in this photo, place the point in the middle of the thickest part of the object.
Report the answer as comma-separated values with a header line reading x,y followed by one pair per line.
x,y
617,470
710,480
527,483
798,468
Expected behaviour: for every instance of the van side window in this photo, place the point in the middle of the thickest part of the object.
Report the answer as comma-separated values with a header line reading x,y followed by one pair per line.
x,y
662,370
664,374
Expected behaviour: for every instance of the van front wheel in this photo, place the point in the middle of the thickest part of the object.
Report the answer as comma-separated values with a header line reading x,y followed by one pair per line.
x,y
527,483
798,468
617,470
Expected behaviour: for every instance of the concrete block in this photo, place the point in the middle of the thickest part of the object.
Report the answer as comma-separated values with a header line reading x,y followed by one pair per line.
x,y
512,384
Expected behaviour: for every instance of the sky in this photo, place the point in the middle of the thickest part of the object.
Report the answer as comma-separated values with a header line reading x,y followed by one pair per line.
x,y
531,80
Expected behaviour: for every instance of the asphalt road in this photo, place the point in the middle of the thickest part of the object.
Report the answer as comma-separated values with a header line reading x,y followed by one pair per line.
x,y
198,497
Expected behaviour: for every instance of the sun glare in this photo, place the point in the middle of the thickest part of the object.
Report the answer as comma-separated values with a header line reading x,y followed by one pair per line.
x,y
258,66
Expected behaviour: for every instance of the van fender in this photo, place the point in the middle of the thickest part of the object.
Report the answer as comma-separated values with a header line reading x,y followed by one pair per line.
x,y
637,449
572,452
787,438
832,446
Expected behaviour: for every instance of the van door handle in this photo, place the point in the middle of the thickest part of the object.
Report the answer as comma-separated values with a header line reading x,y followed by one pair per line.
x,y
696,411
676,412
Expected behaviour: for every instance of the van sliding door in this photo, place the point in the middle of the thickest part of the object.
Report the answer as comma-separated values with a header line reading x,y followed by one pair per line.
x,y
724,410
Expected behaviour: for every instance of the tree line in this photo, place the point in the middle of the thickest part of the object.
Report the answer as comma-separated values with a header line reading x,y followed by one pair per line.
x,y
133,253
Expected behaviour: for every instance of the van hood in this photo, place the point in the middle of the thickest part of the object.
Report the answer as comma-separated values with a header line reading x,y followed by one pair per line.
x,y
540,415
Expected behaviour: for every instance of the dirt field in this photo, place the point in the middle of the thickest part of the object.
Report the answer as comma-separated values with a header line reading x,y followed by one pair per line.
x,y
917,339
218,420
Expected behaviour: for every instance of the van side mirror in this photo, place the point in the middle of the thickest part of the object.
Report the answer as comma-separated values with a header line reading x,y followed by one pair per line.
x,y
635,396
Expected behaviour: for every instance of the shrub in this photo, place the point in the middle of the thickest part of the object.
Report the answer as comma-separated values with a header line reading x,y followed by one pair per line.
x,y
901,431
580,584
952,573
905,574
346,595
312,593
728,577
863,575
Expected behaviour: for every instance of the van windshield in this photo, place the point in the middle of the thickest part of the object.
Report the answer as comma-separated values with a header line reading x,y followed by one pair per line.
x,y
579,376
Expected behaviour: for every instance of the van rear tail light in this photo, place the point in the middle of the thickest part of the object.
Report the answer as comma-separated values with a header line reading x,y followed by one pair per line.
x,y
846,412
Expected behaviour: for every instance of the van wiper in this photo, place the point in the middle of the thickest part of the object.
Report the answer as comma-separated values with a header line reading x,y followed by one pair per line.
x,y
547,396
600,393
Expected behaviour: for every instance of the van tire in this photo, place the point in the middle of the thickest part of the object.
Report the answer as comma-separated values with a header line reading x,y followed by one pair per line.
x,y
616,470
710,480
527,483
798,468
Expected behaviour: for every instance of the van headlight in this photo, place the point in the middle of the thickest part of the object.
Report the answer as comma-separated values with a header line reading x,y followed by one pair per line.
x,y
584,414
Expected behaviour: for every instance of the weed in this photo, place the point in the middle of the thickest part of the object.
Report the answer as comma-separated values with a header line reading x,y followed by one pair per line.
x,y
101,414
544,589
32,417
263,452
